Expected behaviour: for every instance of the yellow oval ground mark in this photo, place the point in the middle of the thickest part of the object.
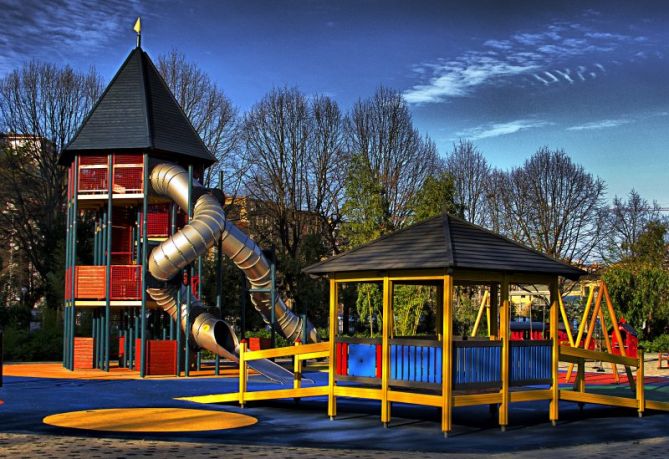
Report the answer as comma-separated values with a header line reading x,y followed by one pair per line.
x,y
150,420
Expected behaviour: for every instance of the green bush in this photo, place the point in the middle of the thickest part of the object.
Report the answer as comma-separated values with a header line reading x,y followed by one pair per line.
x,y
659,344
40,345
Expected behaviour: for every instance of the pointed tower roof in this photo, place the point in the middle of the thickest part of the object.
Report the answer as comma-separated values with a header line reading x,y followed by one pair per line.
x,y
137,111
444,242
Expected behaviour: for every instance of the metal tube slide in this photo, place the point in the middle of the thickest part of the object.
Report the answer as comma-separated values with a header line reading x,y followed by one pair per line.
x,y
208,225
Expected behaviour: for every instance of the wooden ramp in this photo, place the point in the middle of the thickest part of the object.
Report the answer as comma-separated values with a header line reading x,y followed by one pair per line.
x,y
578,394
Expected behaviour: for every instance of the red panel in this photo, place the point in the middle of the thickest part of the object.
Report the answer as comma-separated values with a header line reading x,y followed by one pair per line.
x,y
379,361
256,344
126,282
128,179
342,358
137,159
161,356
89,282
158,220
92,179
83,353
121,346
86,160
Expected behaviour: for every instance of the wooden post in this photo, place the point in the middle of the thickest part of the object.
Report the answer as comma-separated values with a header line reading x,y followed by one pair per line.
x,y
447,355
485,304
334,300
640,385
297,370
565,320
385,349
554,318
504,332
581,327
243,381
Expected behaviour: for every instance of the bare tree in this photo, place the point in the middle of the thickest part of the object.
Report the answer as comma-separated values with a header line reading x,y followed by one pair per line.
x,y
391,156
552,205
41,106
296,151
626,222
470,172
210,111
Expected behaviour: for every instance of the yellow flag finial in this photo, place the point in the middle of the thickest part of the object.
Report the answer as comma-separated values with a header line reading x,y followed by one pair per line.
x,y
138,28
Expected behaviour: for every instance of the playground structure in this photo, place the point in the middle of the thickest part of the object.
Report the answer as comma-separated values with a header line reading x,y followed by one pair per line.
x,y
133,169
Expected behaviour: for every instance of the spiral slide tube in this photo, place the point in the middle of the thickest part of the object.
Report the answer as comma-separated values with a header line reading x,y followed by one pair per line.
x,y
208,225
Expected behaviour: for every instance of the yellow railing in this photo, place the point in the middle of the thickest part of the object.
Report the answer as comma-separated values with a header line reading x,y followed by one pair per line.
x,y
300,352
578,356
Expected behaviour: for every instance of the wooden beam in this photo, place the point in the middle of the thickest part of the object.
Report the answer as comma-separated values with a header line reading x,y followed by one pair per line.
x,y
385,349
531,395
599,399
567,351
477,399
555,353
447,356
504,332
358,392
334,323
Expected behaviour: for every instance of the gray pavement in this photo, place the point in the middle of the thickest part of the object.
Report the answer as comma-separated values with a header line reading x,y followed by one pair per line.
x,y
17,446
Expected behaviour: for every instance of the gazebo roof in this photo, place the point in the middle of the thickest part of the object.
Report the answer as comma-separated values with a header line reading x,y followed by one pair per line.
x,y
444,242
137,111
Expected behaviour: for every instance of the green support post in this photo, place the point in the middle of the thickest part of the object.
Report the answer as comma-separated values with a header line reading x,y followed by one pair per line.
x,y
66,300
199,296
219,275
106,321
73,260
173,228
145,244
190,276
273,299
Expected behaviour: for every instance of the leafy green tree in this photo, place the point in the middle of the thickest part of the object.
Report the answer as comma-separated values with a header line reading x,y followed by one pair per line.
x,y
639,285
436,196
369,304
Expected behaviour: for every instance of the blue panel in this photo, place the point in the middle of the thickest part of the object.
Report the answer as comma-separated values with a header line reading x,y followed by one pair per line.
x,y
362,360
530,363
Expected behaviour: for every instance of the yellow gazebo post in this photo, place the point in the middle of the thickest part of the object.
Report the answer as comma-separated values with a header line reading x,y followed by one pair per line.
x,y
334,322
447,355
504,334
554,318
385,349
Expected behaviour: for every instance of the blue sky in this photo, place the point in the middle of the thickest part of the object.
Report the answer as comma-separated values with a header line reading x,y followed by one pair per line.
x,y
589,77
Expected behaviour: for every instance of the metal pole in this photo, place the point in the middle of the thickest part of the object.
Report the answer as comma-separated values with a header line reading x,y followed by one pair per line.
x,y
145,243
66,301
273,298
219,275
190,274
245,292
73,259
106,321
173,228
199,295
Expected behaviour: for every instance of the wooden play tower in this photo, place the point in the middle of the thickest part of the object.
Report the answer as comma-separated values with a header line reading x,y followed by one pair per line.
x,y
113,222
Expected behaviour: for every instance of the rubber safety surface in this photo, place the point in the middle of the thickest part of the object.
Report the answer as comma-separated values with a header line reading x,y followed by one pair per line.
x,y
150,420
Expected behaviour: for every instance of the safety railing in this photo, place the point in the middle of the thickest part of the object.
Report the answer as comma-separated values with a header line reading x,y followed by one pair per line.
x,y
530,362
578,394
90,282
127,174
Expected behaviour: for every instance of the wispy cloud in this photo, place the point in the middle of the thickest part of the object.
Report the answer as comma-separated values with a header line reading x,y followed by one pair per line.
x,y
457,78
47,29
497,129
551,56
601,124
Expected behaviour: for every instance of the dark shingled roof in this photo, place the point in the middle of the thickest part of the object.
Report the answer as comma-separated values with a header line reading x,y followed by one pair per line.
x,y
444,242
137,111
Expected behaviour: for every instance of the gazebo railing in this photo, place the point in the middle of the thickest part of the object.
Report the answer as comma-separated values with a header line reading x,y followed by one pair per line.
x,y
417,363
530,362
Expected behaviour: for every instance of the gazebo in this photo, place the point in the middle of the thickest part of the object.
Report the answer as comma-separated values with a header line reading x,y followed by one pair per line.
x,y
444,370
